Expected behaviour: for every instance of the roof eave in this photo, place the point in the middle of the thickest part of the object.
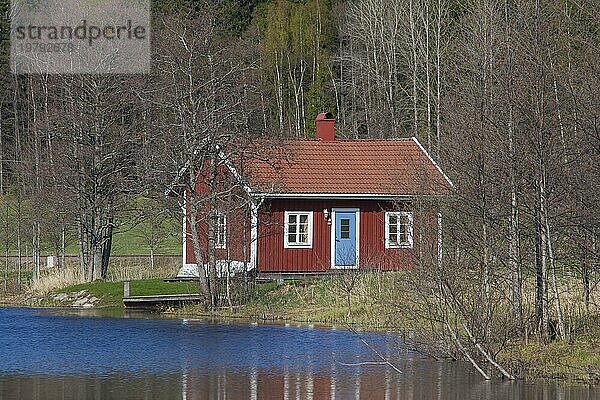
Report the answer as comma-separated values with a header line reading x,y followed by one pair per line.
x,y
344,196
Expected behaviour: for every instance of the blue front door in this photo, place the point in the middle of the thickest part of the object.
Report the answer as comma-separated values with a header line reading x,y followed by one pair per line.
x,y
345,239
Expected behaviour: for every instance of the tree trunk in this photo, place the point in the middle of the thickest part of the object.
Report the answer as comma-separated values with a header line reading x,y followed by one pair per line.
x,y
413,35
36,250
19,248
96,265
541,297
106,248
212,231
438,67
556,294
585,274
428,78
202,275
513,240
63,249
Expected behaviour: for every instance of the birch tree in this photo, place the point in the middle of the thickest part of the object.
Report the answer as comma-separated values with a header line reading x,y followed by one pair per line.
x,y
204,102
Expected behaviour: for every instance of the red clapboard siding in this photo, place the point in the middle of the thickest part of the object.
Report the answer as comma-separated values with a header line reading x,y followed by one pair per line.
x,y
273,257
235,231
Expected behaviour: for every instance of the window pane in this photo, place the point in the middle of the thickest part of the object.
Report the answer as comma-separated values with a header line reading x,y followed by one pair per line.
x,y
292,228
303,238
393,229
292,238
402,229
292,219
303,228
403,237
404,220
345,228
303,218
393,238
392,219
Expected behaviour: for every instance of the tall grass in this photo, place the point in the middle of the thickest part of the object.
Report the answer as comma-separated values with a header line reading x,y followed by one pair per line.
x,y
130,268
56,278
120,269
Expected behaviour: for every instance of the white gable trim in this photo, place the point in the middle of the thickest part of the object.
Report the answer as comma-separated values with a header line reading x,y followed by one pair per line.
x,y
433,161
235,172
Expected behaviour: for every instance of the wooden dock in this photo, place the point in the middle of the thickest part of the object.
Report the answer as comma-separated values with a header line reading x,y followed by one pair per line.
x,y
166,300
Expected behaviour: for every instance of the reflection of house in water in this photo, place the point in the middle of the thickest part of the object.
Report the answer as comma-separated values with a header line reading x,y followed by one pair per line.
x,y
376,384
421,379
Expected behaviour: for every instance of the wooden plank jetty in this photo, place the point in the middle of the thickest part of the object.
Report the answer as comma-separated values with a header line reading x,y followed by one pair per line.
x,y
153,301
176,300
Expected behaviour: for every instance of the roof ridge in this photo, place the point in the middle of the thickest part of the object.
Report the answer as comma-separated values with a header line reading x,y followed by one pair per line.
x,y
313,140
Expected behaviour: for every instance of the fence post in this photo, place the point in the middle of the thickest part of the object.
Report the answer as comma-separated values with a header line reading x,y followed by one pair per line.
x,y
126,289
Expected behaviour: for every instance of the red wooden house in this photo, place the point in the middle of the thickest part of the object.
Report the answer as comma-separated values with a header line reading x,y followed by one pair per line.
x,y
336,204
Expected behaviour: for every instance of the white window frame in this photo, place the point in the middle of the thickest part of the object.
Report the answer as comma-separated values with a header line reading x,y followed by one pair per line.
x,y
398,214
296,245
224,244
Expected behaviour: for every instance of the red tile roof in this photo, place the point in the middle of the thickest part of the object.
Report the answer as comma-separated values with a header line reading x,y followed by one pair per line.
x,y
372,166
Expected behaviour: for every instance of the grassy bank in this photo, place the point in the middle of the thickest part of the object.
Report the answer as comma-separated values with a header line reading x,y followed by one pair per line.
x,y
111,293
321,301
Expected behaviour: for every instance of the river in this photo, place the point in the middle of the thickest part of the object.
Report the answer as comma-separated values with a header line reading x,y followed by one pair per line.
x,y
53,354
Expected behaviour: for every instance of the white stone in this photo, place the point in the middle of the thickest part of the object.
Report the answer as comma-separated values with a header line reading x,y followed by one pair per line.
x,y
61,297
79,302
51,261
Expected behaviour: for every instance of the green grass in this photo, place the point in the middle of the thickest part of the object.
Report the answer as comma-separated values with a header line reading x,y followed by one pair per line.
x,y
556,360
133,242
129,242
320,300
111,293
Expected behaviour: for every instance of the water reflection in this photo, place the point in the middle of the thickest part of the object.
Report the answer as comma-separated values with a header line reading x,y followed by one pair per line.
x,y
56,357
226,384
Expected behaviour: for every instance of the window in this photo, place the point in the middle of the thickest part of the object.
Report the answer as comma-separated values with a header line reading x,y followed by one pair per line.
x,y
398,229
221,236
345,228
298,229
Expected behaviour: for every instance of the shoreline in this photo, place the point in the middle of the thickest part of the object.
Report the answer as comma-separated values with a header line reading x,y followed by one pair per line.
x,y
316,304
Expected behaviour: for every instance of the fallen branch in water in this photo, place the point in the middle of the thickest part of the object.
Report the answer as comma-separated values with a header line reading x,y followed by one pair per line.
x,y
363,363
374,350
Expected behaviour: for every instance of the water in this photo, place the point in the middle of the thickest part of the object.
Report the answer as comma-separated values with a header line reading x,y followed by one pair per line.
x,y
47,354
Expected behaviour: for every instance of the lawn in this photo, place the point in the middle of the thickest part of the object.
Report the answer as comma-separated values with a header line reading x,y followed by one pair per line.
x,y
134,242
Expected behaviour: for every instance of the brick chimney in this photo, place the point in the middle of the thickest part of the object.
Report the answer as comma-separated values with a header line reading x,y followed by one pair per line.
x,y
325,127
